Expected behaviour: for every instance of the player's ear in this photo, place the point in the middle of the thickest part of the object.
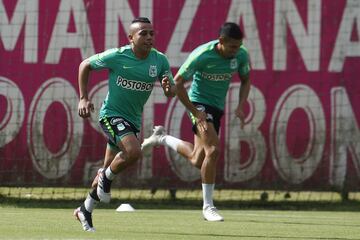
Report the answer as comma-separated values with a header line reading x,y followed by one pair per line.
x,y
221,40
130,37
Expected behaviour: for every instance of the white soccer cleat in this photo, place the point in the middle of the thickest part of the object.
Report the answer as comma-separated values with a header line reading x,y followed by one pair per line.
x,y
211,214
103,187
85,219
153,140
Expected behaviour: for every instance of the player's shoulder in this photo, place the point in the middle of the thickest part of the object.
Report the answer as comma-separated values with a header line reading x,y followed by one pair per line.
x,y
158,55
243,53
205,48
203,51
108,52
124,49
112,52
243,50
157,52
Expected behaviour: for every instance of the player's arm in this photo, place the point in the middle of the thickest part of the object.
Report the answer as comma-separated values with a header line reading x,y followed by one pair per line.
x,y
184,98
84,106
98,61
243,95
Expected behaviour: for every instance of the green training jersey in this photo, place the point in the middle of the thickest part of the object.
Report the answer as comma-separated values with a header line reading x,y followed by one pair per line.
x,y
131,81
212,73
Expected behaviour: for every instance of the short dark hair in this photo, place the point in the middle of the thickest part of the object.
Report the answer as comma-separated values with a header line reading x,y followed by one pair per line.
x,y
231,30
141,19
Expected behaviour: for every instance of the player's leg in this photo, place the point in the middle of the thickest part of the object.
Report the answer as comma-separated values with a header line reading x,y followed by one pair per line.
x,y
204,155
110,152
131,152
210,142
84,212
123,135
193,152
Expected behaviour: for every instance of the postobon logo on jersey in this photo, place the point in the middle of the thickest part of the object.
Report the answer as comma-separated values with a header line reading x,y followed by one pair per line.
x,y
134,85
216,77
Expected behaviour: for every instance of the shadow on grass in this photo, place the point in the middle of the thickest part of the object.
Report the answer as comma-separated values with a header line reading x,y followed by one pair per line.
x,y
348,205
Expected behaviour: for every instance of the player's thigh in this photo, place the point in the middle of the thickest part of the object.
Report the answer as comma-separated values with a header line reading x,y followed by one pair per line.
x,y
213,115
210,142
208,137
204,142
122,135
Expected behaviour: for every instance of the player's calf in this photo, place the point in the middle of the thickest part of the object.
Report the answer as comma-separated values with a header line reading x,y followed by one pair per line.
x,y
103,186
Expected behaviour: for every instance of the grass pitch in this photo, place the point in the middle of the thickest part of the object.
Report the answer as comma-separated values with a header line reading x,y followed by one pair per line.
x,y
46,213
50,223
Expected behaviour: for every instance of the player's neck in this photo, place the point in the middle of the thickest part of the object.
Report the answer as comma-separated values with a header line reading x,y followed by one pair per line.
x,y
140,54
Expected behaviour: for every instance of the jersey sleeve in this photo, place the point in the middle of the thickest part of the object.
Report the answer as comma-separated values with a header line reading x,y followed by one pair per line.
x,y
244,62
165,70
103,60
190,66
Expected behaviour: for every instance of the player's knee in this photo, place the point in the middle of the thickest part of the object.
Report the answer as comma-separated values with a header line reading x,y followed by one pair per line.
x,y
134,154
212,153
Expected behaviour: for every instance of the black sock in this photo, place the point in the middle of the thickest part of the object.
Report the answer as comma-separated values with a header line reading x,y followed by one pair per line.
x,y
107,184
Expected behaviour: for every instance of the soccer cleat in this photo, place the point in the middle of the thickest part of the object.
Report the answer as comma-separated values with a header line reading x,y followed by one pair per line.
x,y
103,187
153,140
210,214
84,218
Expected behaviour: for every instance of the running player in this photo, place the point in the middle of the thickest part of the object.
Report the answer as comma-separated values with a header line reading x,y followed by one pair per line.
x,y
133,70
211,67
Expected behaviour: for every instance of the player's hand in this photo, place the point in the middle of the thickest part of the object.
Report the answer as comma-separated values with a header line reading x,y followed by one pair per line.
x,y
165,84
201,121
240,114
85,107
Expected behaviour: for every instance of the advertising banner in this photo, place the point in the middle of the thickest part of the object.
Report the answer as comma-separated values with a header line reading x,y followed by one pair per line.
x,y
302,117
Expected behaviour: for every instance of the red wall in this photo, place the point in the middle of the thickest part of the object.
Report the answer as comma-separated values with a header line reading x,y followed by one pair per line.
x,y
303,123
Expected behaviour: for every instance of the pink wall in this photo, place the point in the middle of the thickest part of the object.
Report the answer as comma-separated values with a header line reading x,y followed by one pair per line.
x,y
303,125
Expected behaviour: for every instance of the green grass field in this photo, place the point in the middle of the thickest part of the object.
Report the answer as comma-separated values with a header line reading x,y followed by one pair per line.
x,y
51,223
46,213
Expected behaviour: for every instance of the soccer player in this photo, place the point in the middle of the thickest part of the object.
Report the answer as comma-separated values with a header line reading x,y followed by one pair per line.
x,y
133,70
211,67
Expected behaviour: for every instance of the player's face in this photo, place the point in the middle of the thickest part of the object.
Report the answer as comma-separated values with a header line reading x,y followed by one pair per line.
x,y
230,46
142,36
